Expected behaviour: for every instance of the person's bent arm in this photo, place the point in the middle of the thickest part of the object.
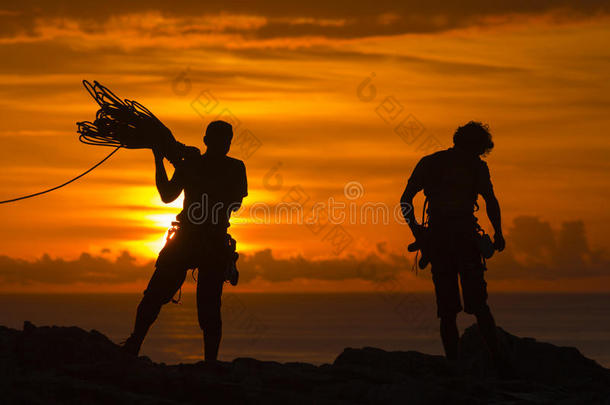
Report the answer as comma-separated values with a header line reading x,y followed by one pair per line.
x,y
414,186
493,213
406,205
241,188
169,190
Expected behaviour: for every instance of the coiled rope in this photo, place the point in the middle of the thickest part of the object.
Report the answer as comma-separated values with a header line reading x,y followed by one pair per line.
x,y
120,124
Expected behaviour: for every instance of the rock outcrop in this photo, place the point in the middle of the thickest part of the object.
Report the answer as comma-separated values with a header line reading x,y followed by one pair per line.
x,y
49,365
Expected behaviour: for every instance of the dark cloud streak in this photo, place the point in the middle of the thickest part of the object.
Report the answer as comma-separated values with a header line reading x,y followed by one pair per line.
x,y
293,19
535,252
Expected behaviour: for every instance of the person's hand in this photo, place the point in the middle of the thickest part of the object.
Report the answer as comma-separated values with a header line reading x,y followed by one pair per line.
x,y
499,242
191,151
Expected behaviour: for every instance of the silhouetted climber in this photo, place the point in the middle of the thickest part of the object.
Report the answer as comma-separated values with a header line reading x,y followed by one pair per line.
x,y
214,186
452,180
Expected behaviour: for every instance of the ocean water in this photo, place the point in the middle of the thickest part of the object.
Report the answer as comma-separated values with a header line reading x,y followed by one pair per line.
x,y
315,328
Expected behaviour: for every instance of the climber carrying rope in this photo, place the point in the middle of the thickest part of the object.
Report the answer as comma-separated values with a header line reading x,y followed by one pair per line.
x,y
213,183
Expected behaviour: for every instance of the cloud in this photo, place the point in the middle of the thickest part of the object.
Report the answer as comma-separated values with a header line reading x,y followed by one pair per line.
x,y
87,268
102,269
535,251
377,266
28,20
424,64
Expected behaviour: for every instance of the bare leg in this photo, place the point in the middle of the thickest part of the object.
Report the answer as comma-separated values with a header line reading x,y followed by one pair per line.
x,y
209,292
147,313
487,328
211,344
450,336
164,283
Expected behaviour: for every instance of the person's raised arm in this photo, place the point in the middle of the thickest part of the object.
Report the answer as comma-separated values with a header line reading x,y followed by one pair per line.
x,y
169,190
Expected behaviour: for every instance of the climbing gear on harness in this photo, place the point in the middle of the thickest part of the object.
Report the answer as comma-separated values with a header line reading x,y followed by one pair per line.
x,y
484,243
231,272
171,232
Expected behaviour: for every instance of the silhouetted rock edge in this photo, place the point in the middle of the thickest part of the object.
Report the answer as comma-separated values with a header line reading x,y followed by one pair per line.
x,y
41,365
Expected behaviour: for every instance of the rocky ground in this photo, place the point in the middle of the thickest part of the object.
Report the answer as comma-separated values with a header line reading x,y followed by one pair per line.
x,y
53,365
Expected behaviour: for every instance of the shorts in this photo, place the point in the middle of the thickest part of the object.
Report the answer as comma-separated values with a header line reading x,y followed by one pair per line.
x,y
454,254
187,250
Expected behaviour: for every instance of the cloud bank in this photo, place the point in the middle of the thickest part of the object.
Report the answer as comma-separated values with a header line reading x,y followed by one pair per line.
x,y
34,20
535,251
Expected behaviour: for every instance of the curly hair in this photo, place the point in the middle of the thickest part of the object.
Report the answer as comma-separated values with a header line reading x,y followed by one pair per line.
x,y
474,137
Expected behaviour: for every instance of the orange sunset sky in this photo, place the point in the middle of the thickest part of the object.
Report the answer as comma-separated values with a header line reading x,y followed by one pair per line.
x,y
320,89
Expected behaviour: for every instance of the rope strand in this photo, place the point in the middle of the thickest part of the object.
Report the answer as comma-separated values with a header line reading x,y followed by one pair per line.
x,y
63,184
